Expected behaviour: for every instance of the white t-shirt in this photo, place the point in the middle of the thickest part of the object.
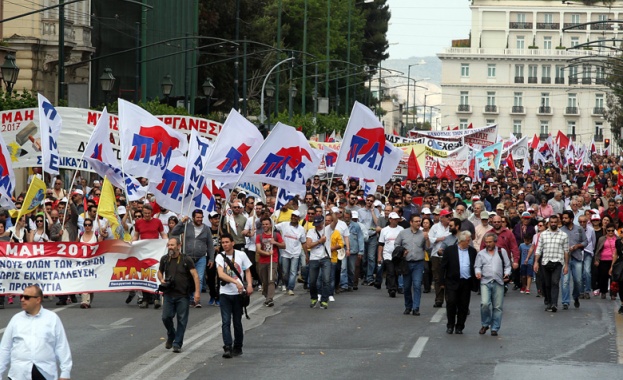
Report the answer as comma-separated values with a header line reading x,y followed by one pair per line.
x,y
388,236
250,241
241,262
318,252
293,236
164,218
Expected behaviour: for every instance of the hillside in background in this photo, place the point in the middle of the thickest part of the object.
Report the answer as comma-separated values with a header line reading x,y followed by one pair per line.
x,y
432,68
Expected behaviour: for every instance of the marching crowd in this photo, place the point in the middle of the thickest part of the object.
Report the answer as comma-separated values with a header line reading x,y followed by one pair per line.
x,y
541,233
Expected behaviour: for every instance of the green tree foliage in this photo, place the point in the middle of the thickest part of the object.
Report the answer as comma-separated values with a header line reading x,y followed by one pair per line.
x,y
17,100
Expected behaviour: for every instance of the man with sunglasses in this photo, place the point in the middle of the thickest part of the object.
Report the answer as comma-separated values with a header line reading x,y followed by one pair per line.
x,y
33,342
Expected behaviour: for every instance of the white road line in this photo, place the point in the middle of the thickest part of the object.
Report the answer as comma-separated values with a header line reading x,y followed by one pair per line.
x,y
438,316
121,321
418,347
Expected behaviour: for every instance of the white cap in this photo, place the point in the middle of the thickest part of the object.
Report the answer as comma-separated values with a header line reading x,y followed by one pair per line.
x,y
297,213
354,215
378,203
335,209
96,182
393,215
64,200
595,217
490,180
121,210
426,211
77,191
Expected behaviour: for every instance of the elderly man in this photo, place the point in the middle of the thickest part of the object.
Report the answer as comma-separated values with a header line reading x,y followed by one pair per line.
x,y
458,278
437,235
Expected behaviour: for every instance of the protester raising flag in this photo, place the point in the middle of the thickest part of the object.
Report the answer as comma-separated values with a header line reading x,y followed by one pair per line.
x,y
364,152
147,144
107,208
284,160
100,155
34,197
50,123
235,146
7,177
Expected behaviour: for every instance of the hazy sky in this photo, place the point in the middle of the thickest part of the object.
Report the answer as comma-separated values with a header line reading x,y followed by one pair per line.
x,y
423,27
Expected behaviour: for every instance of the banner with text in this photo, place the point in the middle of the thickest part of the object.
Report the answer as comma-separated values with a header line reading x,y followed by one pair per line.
x,y
70,268
477,138
457,159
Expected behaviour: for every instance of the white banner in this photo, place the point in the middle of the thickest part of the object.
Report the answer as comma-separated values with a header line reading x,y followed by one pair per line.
x,y
442,144
458,160
476,138
72,268
20,130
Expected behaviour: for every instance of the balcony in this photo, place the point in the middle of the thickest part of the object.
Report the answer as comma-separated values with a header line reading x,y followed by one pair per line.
x,y
545,110
546,80
518,110
491,109
604,26
599,138
533,80
520,25
464,108
519,79
49,29
586,81
572,111
600,80
573,80
559,80
599,111
478,52
543,136
548,25
574,25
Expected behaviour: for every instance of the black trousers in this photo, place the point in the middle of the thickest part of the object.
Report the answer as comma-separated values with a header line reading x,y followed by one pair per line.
x,y
551,283
391,279
35,374
457,304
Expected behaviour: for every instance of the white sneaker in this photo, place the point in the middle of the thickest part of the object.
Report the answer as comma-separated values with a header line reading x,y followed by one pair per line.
x,y
290,292
319,296
283,288
331,299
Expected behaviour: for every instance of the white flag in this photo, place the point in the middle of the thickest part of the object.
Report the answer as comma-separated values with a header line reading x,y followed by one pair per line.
x,y
50,123
195,165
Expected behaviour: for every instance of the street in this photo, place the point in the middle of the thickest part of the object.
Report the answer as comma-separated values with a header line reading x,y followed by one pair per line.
x,y
363,334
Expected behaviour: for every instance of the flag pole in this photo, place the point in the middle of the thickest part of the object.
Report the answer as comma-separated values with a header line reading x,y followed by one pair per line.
x,y
68,199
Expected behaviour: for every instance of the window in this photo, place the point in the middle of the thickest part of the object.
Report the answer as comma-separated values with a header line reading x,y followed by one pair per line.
x,y
516,126
519,71
599,100
586,71
546,74
599,128
464,100
571,127
491,70
547,43
575,18
532,71
518,99
601,44
548,18
521,17
544,127
573,74
602,17
462,123
520,43
490,122
491,98
572,100
464,70
545,99
575,41
560,71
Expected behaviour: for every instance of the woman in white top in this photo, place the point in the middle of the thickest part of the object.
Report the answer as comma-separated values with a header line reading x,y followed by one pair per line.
x,y
38,235
18,233
90,237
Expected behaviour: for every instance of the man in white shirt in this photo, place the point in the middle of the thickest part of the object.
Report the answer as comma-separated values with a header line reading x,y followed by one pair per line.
x,y
387,238
34,340
437,235
294,236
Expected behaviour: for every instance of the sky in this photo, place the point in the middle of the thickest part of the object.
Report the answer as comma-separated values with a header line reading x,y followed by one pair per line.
x,y
422,28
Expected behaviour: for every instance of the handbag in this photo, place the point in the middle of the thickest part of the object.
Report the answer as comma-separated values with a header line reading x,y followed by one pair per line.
x,y
245,298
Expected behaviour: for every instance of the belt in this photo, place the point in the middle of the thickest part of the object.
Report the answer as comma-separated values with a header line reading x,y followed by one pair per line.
x,y
414,261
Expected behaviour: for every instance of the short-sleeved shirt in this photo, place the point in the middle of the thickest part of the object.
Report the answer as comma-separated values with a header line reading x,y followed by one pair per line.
x,y
388,237
264,239
175,268
318,252
148,229
241,262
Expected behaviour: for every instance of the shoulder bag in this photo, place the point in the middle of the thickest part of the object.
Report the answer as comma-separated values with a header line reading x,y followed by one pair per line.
x,y
245,298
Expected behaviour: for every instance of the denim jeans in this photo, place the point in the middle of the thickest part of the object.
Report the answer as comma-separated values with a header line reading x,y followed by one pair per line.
x,y
371,253
290,271
315,266
413,284
347,274
231,308
575,271
200,265
175,306
332,275
491,302
586,273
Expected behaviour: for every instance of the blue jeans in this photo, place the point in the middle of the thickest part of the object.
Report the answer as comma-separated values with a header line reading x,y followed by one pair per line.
x,y
290,267
200,265
231,308
347,274
371,254
315,266
586,272
175,306
491,302
575,271
413,284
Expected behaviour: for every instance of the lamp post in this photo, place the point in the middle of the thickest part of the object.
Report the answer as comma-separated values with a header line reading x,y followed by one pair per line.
x,y
167,86
10,71
422,62
107,81
292,92
262,117
208,90
270,92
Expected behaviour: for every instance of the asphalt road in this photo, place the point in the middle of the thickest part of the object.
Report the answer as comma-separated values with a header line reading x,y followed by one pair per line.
x,y
362,335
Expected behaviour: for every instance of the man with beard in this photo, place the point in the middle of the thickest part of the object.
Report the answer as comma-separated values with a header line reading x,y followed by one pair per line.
x,y
460,213
577,242
553,252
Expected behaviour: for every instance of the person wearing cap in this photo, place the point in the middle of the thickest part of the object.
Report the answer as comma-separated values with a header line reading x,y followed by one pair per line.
x,y
437,235
523,228
552,253
387,239
319,259
482,228
577,241
214,219
415,243
76,198
350,265
369,218
294,236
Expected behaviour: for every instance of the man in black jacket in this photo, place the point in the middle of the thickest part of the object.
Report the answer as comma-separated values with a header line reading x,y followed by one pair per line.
x,y
458,279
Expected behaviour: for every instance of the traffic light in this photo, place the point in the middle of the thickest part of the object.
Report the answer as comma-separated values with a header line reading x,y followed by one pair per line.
x,y
606,143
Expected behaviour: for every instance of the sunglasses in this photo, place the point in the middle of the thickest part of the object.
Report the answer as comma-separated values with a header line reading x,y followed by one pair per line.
x,y
236,207
609,230
138,216
27,297
88,225
39,221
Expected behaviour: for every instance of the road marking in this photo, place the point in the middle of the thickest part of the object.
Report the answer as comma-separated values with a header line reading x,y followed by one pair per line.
x,y
114,326
418,347
438,316
121,321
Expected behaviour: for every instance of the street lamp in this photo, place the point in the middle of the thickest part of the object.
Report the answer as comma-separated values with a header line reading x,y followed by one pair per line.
x,y
107,81
269,89
293,91
167,86
10,71
208,90
422,62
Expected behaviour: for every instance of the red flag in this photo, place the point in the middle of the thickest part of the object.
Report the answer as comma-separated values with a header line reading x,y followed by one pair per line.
x,y
562,140
535,142
414,171
511,164
456,128
435,171
470,126
449,174
417,201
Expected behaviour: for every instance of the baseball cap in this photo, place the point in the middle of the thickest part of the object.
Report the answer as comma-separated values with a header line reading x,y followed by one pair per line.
x,y
378,203
296,213
595,217
426,211
475,198
500,207
484,215
437,211
468,179
457,195
77,191
393,215
335,209
318,220
490,180
354,215
212,214
121,210
444,213
64,200
526,215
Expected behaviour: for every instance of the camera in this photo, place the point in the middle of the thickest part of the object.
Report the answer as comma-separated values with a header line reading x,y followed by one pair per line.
x,y
167,285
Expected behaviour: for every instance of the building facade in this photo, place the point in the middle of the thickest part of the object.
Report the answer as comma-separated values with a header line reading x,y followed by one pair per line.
x,y
517,69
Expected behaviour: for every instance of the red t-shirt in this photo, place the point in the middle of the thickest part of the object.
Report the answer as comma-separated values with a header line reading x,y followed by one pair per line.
x,y
149,229
264,239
